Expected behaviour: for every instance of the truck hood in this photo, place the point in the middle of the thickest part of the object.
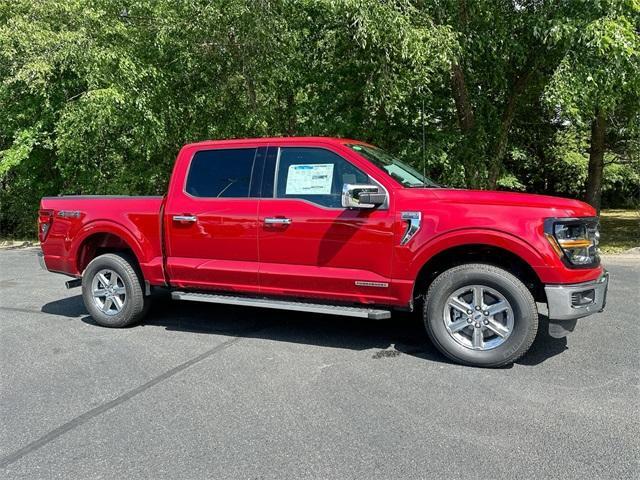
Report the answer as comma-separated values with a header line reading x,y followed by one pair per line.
x,y
557,206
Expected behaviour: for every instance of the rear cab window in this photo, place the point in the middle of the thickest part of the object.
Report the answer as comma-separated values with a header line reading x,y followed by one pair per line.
x,y
221,173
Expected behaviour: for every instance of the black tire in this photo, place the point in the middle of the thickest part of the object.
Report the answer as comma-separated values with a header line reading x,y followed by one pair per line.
x,y
525,315
135,305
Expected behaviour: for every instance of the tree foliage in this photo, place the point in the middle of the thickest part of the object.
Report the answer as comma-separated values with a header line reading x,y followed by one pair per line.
x,y
97,96
598,82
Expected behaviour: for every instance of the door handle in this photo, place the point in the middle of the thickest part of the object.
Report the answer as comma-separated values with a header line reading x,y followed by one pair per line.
x,y
184,218
277,221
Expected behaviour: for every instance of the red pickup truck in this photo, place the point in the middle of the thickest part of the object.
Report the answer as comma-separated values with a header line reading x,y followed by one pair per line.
x,y
333,226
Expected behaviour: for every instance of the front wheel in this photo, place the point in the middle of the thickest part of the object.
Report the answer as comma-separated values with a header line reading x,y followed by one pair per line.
x,y
480,315
113,290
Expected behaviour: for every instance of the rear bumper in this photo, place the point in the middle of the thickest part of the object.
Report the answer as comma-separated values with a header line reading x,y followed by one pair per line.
x,y
569,302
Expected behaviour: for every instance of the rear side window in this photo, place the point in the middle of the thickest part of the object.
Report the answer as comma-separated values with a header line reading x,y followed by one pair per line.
x,y
221,173
316,175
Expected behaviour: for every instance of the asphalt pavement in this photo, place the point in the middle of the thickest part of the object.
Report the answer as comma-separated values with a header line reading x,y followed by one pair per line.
x,y
200,391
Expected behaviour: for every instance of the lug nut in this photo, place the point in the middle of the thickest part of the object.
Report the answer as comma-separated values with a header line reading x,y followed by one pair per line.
x,y
477,325
486,314
477,308
469,312
486,322
468,320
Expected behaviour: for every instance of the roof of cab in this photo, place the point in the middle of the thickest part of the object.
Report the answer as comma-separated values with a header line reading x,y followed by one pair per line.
x,y
278,140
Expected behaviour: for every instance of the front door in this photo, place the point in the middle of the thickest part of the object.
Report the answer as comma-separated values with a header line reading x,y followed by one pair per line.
x,y
310,246
211,223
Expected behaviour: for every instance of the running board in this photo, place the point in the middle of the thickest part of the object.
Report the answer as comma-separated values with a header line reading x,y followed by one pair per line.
x,y
361,312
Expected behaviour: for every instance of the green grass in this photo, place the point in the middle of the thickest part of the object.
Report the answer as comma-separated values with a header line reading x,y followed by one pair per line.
x,y
619,230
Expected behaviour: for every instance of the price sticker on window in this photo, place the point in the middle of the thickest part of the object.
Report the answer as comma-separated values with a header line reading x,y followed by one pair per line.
x,y
310,179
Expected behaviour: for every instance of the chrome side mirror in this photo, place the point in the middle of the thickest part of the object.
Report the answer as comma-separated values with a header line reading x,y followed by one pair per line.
x,y
362,196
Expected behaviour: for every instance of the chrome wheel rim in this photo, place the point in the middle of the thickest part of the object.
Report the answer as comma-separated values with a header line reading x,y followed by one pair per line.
x,y
108,291
478,317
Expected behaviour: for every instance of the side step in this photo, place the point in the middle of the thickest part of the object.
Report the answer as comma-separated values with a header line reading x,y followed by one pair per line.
x,y
373,314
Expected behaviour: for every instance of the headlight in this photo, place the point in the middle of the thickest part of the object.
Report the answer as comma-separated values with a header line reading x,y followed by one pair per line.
x,y
574,239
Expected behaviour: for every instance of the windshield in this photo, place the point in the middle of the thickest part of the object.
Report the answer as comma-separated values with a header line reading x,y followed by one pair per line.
x,y
403,173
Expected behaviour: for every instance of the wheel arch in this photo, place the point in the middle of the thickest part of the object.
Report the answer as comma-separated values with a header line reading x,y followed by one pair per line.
x,y
492,248
103,237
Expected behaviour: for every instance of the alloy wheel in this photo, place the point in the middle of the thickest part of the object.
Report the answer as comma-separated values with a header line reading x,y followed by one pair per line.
x,y
478,317
108,291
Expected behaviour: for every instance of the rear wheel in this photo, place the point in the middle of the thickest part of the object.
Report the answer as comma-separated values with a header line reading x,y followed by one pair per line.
x,y
480,315
113,290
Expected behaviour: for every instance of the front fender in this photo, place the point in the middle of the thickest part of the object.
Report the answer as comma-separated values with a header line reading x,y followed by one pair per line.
x,y
537,258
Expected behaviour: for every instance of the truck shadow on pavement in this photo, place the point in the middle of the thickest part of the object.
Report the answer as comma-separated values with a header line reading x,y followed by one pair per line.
x,y
402,334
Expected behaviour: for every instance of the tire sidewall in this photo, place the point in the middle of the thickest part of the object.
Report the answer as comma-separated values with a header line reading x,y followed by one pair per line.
x,y
524,318
130,310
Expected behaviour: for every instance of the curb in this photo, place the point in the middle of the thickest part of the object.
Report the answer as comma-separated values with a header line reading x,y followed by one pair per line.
x,y
15,244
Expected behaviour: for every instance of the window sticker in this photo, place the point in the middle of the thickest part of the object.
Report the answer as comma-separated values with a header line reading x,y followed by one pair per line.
x,y
311,179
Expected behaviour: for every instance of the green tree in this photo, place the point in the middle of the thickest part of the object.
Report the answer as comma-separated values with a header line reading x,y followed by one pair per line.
x,y
598,84
504,53
97,96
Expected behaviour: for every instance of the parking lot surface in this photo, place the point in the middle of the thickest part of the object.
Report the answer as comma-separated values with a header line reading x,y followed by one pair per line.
x,y
200,391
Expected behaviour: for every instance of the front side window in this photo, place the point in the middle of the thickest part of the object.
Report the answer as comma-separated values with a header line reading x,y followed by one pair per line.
x,y
315,174
221,173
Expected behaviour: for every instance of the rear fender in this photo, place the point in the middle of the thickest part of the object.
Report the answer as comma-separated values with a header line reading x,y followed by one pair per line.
x,y
136,242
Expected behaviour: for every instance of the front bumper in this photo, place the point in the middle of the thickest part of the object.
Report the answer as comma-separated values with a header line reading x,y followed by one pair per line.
x,y
569,302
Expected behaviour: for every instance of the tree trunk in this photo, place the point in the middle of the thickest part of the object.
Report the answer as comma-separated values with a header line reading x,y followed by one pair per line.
x,y
292,119
466,121
508,115
464,108
461,97
596,160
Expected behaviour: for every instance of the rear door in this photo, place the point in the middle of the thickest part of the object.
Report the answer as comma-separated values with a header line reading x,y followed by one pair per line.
x,y
211,221
310,246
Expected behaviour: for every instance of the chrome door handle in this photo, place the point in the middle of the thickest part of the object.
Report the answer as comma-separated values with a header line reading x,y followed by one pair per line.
x,y
277,221
184,218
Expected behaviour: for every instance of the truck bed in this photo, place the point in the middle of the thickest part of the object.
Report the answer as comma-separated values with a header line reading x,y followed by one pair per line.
x,y
124,222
